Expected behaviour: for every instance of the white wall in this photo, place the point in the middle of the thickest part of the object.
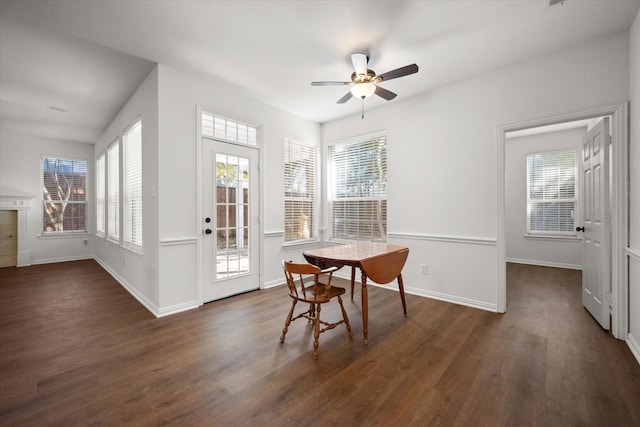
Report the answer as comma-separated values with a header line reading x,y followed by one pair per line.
x,y
179,228
442,149
20,173
634,189
566,253
138,273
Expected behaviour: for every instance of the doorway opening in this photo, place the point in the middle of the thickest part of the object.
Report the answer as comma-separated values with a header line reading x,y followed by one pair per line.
x,y
618,115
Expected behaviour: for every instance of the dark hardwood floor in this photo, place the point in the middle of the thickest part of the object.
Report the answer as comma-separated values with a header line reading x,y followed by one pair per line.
x,y
77,349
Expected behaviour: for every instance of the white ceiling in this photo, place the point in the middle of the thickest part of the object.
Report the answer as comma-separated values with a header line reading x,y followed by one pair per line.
x,y
87,57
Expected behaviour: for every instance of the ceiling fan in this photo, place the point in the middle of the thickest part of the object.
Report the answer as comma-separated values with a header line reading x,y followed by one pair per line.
x,y
364,82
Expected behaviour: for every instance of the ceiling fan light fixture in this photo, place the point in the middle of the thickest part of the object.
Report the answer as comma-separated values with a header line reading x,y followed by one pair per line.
x,y
363,90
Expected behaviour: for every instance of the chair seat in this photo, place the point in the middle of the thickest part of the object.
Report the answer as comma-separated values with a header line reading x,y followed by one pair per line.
x,y
321,296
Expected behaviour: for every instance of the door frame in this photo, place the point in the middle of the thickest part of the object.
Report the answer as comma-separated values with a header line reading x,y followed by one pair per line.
x,y
619,206
200,188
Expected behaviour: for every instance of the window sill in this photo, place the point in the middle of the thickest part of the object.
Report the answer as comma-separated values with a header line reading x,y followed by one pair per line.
x,y
63,235
573,239
136,250
349,242
297,243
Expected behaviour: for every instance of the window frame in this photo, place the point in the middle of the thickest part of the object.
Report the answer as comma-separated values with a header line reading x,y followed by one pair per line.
x,y
252,134
113,232
553,234
126,190
87,183
101,195
381,198
312,199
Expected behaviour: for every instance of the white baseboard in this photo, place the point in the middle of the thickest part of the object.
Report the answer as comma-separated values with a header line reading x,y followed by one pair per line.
x,y
634,346
133,291
178,308
273,283
63,259
481,305
544,263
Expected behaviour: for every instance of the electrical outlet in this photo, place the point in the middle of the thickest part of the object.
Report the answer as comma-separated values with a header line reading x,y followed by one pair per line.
x,y
423,269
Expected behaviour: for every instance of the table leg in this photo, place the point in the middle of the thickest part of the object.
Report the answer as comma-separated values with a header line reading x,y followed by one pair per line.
x,y
365,308
353,279
401,289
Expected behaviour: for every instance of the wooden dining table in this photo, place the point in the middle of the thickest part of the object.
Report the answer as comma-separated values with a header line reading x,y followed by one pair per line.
x,y
380,262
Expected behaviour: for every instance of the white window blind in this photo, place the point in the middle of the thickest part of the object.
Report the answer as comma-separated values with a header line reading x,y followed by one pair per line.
x,y
299,191
100,195
132,188
64,200
113,191
551,192
229,130
358,188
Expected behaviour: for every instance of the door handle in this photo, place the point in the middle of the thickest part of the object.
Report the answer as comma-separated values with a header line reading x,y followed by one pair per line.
x,y
208,231
579,228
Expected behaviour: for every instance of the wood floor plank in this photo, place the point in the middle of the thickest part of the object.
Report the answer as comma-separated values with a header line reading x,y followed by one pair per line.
x,y
77,349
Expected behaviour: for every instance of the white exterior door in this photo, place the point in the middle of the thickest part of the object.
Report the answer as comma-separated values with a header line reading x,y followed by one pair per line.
x,y
596,271
231,256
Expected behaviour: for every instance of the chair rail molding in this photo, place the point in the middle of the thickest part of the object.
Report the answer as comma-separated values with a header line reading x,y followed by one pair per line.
x,y
448,239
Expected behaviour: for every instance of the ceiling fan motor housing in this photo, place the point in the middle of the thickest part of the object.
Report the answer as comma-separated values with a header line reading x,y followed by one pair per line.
x,y
363,78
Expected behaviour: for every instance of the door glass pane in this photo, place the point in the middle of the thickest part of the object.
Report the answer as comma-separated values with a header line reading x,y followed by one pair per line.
x,y
232,210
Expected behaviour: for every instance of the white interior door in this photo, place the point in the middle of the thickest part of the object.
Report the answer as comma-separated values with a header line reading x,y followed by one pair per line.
x,y
231,226
596,270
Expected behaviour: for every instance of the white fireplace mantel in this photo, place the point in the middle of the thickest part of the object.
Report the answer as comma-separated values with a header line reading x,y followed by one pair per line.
x,y
22,204
15,202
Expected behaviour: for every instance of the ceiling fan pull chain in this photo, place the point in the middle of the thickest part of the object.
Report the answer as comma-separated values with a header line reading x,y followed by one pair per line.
x,y
363,108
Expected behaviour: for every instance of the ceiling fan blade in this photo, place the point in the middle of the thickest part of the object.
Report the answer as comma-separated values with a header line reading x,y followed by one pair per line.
x,y
399,72
359,63
386,94
345,98
330,83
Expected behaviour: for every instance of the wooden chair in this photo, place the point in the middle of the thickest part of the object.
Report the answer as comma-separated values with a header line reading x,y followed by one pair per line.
x,y
313,293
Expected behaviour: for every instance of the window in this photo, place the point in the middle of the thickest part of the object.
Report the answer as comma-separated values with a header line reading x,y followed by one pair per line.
x,y
100,195
358,188
113,191
132,185
299,191
64,200
551,192
229,130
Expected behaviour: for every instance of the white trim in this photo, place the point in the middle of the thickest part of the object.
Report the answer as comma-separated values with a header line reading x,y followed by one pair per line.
x,y
570,239
358,138
634,346
633,253
275,283
63,235
544,263
198,213
12,203
61,259
87,184
298,243
178,308
447,239
481,305
179,241
278,233
22,205
132,290
200,191
619,205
